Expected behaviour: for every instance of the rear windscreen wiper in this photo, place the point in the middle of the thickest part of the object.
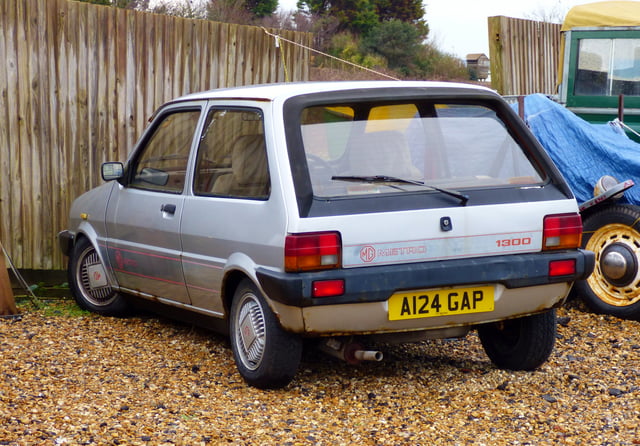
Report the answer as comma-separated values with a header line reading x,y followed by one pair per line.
x,y
388,179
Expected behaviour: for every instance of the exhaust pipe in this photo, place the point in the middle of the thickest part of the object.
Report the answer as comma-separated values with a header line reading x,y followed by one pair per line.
x,y
368,355
349,351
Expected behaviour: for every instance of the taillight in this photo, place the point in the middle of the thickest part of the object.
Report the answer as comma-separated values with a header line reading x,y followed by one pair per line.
x,y
562,267
563,231
312,251
328,288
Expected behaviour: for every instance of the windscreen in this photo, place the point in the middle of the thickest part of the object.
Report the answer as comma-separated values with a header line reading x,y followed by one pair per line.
x,y
355,149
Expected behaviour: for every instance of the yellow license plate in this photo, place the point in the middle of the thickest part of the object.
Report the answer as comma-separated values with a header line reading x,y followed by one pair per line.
x,y
428,303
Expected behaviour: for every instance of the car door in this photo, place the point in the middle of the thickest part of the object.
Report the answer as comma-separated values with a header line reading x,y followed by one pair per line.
x,y
229,215
143,214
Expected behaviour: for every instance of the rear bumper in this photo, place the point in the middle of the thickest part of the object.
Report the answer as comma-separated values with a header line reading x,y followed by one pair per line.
x,y
373,317
522,286
378,283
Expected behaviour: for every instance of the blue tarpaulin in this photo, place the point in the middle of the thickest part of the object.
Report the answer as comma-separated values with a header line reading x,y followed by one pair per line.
x,y
582,151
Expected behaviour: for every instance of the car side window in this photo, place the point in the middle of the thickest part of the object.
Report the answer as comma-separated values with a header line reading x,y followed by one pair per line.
x,y
232,156
162,165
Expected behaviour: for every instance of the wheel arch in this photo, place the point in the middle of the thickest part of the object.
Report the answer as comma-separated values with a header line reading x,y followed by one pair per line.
x,y
230,283
289,318
239,266
86,231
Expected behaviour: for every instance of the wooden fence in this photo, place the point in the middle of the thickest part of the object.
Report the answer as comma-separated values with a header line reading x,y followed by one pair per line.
x,y
77,84
524,55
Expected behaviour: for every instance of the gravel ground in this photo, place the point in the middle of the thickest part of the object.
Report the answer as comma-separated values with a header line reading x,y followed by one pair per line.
x,y
84,379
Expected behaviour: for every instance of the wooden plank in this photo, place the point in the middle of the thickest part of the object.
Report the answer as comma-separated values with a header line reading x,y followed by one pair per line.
x,y
186,58
120,78
200,61
48,213
158,60
168,58
23,189
55,121
100,74
73,145
89,88
141,44
64,133
37,247
221,56
129,85
232,55
151,42
274,58
176,76
81,161
5,134
496,54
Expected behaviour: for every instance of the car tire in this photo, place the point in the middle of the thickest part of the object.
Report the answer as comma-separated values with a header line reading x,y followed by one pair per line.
x,y
93,294
266,356
524,343
613,234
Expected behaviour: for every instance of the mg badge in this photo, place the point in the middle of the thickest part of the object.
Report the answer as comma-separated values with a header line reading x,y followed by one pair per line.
x,y
367,254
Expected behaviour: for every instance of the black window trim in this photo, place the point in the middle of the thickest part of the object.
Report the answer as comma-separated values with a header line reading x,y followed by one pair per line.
x,y
139,148
554,187
218,106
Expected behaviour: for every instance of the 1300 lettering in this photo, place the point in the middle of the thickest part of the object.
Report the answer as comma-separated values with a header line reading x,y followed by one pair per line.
x,y
423,304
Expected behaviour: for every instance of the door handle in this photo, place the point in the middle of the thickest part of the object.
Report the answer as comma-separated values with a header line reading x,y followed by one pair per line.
x,y
168,208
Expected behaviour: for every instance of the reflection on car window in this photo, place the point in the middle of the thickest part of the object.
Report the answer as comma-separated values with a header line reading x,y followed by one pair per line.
x,y
444,145
232,157
162,165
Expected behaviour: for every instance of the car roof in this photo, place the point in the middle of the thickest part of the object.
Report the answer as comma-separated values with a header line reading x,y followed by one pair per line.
x,y
271,92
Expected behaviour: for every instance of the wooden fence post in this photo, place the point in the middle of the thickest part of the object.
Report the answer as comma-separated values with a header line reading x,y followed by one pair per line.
x,y
7,301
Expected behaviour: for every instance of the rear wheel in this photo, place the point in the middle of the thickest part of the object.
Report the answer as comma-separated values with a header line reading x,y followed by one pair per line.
x,y
89,282
612,233
520,344
267,357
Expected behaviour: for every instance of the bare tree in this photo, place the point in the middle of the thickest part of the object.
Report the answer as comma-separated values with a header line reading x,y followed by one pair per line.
x,y
555,14
228,11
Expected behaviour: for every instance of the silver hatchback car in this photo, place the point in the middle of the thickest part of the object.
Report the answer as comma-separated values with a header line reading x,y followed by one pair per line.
x,y
349,212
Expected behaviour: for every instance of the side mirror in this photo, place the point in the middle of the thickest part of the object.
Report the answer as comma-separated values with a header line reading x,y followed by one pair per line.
x,y
112,171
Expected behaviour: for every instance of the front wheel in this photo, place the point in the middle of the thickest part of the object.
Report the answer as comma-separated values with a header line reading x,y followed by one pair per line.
x,y
89,282
612,233
266,356
524,343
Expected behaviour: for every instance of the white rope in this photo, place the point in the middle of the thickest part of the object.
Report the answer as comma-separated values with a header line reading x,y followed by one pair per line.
x,y
625,126
279,38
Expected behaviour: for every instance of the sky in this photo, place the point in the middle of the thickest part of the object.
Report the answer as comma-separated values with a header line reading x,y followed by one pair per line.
x,y
459,27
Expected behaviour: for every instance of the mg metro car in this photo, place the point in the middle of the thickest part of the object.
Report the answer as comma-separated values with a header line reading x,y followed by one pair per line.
x,y
348,212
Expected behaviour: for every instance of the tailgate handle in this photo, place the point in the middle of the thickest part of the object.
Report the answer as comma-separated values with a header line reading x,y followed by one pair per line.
x,y
168,208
